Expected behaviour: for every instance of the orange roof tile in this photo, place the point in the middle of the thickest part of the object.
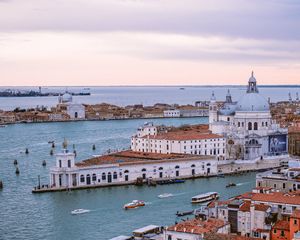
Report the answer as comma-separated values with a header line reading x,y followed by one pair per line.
x,y
277,197
198,226
261,207
245,207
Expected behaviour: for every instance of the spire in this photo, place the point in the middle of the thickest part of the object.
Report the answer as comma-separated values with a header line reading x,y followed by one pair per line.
x,y
213,98
228,97
290,98
252,88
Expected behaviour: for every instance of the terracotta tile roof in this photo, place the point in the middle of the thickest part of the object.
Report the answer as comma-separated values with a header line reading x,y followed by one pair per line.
x,y
218,236
296,214
245,196
130,157
277,197
219,203
183,136
261,207
245,207
282,225
197,226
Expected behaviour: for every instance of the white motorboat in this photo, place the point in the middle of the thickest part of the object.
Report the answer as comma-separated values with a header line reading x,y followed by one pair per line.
x,y
80,211
134,204
165,195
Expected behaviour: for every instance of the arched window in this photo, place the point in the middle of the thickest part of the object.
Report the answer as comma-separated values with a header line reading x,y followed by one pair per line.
x,y
69,163
255,126
60,163
94,177
115,176
126,171
262,124
193,165
103,176
88,179
239,124
208,164
177,167
161,168
144,170
249,125
81,178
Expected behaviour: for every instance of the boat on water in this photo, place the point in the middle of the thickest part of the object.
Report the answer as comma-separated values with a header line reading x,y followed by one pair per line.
x,y
205,197
3,126
165,195
231,185
134,204
170,181
80,211
184,213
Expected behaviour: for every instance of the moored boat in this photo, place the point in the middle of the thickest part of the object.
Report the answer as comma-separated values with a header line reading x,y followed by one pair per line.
x,y
80,211
134,204
205,197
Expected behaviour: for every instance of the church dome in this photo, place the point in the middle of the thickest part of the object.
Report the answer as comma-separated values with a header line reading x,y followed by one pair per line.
x,y
67,97
252,100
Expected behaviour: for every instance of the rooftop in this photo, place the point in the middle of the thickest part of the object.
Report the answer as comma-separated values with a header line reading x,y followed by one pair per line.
x,y
130,157
197,226
185,132
278,197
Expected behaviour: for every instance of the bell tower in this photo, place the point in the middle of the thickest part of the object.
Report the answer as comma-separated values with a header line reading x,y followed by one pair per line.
x,y
252,88
213,110
65,159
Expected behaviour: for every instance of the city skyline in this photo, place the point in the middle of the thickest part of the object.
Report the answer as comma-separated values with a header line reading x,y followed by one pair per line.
x,y
126,42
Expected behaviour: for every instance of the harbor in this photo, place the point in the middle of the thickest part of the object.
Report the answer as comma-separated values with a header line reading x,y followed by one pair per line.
x,y
105,203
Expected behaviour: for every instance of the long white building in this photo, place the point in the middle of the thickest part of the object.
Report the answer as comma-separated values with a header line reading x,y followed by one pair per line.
x,y
125,167
196,140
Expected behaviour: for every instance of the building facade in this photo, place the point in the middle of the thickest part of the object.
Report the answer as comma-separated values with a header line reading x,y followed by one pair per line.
x,y
194,140
247,125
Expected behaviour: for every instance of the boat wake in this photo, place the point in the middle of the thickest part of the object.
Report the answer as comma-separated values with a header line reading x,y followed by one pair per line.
x,y
244,183
80,211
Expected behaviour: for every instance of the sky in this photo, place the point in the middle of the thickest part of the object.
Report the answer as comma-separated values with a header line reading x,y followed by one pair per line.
x,y
148,42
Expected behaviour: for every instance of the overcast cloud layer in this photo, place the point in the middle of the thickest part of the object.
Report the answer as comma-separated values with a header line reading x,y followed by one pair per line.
x,y
51,35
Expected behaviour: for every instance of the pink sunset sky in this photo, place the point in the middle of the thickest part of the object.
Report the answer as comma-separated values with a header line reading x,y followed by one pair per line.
x,y
148,42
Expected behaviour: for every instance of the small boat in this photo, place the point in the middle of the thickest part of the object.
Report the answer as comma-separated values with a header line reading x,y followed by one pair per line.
x,y
170,181
165,195
182,88
50,142
181,214
205,197
3,126
230,185
80,211
134,204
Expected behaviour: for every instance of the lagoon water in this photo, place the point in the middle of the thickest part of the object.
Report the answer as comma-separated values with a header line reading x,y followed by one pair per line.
x,y
144,95
24,215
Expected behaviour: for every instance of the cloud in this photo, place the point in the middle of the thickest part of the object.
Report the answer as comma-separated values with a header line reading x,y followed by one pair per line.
x,y
232,18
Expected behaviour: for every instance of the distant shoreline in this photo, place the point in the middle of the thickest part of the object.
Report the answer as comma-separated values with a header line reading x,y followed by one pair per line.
x,y
158,86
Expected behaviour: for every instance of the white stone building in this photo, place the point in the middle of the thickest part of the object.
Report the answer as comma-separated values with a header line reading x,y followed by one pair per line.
x,y
125,167
197,140
172,113
247,124
74,110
